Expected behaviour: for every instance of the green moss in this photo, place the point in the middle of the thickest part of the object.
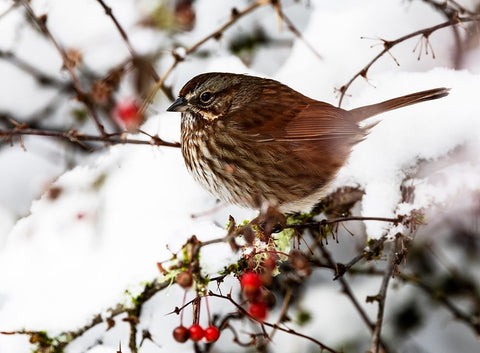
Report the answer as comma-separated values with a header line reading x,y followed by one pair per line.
x,y
45,344
242,265
201,284
299,218
303,317
283,240
245,222
375,252
79,114
227,270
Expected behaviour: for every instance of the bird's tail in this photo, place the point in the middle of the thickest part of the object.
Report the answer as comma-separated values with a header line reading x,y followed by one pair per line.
x,y
368,111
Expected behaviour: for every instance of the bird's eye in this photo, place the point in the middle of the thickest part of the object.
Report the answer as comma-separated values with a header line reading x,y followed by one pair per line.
x,y
206,96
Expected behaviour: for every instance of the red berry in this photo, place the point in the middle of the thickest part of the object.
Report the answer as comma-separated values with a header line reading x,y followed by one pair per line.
x,y
270,263
127,114
212,333
181,334
258,310
196,332
251,284
250,279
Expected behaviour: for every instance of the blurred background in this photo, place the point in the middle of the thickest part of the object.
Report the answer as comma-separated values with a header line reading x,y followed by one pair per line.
x,y
93,191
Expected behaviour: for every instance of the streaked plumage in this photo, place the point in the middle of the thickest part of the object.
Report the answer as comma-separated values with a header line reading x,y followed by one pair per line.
x,y
254,140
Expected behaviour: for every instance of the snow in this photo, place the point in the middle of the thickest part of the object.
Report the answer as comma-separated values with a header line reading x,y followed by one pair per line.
x,y
122,211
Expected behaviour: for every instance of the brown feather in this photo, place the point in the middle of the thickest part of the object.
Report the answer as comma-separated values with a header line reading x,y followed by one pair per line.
x,y
368,111
255,140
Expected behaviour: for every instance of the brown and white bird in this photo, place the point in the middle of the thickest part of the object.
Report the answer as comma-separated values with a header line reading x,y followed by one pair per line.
x,y
250,140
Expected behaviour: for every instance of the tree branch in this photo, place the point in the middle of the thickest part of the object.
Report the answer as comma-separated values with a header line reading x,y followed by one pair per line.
x,y
387,45
274,326
381,298
77,137
177,58
81,94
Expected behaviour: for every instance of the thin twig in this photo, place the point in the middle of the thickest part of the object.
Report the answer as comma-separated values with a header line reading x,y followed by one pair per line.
x,y
283,311
349,293
78,137
81,94
274,326
298,34
342,269
381,298
132,318
324,222
236,15
132,339
387,45
472,321
41,77
8,9
346,288
123,34
449,7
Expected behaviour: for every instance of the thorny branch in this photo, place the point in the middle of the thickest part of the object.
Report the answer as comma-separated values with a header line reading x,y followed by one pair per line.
x,y
109,12
81,94
341,269
235,16
470,320
177,57
64,338
41,77
84,96
387,45
133,53
274,326
294,29
325,221
133,313
78,137
13,5
381,297
347,290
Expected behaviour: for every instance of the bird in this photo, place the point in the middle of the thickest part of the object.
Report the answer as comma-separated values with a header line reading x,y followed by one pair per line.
x,y
252,141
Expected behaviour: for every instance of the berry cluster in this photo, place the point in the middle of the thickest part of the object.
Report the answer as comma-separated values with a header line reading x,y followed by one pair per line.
x,y
256,296
196,333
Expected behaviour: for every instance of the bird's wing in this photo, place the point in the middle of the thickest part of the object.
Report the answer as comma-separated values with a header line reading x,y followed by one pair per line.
x,y
293,121
320,121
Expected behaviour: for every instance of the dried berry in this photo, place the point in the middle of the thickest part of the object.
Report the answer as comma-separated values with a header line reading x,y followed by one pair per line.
x,y
181,334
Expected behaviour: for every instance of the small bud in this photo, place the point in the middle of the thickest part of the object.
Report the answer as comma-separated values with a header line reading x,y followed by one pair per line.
x,y
300,263
184,279
74,58
101,92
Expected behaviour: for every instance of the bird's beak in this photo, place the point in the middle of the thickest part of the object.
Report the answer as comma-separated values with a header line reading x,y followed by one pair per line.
x,y
180,105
